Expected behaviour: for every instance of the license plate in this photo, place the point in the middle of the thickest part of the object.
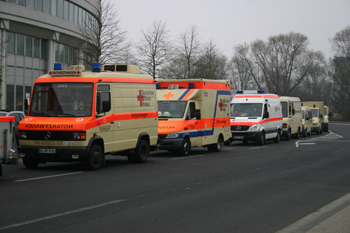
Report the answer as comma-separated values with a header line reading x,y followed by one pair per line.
x,y
238,137
47,151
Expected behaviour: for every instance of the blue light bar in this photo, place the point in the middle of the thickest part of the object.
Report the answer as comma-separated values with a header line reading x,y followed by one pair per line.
x,y
262,92
157,86
57,66
96,67
190,85
302,104
239,92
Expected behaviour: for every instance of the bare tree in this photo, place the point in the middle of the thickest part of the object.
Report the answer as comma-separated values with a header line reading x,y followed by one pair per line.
x,y
154,49
340,72
211,64
103,39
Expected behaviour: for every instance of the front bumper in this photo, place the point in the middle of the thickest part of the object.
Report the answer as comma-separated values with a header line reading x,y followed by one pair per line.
x,y
170,144
60,155
247,136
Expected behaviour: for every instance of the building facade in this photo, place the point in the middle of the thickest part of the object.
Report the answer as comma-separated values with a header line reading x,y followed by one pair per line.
x,y
34,34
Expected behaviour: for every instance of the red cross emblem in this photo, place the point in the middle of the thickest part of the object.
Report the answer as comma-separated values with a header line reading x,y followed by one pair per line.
x,y
140,98
167,96
221,105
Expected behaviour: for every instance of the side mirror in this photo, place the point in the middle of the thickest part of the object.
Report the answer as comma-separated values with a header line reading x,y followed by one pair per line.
x,y
106,106
266,115
198,114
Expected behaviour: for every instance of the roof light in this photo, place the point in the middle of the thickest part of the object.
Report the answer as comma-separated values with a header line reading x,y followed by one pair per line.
x,y
302,104
239,92
96,67
173,86
157,86
57,66
262,92
190,85
275,92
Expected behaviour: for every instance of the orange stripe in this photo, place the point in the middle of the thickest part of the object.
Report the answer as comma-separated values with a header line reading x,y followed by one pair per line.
x,y
188,94
93,80
256,96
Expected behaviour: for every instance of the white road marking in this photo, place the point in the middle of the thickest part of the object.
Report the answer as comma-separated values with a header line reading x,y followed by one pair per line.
x,y
187,157
60,214
254,148
46,177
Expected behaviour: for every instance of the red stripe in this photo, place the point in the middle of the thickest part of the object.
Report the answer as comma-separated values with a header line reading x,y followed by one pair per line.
x,y
256,96
93,80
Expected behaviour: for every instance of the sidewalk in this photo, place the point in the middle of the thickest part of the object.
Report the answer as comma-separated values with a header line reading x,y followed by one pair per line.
x,y
331,218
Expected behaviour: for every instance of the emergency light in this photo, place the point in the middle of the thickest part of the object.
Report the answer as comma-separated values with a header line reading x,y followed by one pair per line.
x,y
96,67
57,66
190,85
157,86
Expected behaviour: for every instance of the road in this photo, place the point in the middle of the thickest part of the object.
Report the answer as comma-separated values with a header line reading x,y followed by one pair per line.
x,y
243,188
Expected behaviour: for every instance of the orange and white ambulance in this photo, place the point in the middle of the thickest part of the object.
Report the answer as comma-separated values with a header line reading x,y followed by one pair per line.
x,y
256,116
193,113
78,115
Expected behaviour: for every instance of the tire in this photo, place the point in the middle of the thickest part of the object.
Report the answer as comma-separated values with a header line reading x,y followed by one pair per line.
x,y
217,146
309,134
326,128
30,163
227,143
321,131
297,135
185,147
278,137
289,136
96,158
318,131
140,154
261,140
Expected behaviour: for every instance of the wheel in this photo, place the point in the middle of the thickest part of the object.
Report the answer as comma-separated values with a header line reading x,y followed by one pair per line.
x,y
318,131
261,140
185,147
305,133
140,154
309,134
96,158
288,137
217,146
30,163
297,135
321,131
278,137
325,128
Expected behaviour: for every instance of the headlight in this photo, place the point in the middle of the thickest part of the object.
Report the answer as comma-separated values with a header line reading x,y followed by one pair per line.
x,y
173,135
254,127
77,136
23,135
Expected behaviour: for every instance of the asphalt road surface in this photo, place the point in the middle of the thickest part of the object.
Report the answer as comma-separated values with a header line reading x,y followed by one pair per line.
x,y
243,188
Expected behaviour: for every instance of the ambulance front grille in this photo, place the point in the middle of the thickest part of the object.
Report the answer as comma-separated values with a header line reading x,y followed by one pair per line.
x,y
161,136
239,128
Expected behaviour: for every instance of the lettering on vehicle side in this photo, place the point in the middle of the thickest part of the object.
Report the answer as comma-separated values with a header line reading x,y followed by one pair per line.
x,y
139,115
223,104
104,128
43,126
221,121
166,127
145,97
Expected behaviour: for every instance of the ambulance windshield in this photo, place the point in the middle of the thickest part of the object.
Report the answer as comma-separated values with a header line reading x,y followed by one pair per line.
x,y
246,110
171,109
62,99
314,112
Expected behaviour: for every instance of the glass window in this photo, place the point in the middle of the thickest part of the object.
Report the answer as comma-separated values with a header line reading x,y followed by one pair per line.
x,y
76,14
54,7
11,43
246,109
36,47
29,49
71,12
19,98
169,109
66,48
12,1
80,19
56,52
22,2
61,52
27,93
60,8
47,6
39,5
30,4
66,10
43,49
83,18
20,44
10,102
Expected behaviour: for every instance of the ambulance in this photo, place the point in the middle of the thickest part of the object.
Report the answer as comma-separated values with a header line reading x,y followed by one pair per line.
x,y
317,109
193,113
78,115
292,119
326,115
256,116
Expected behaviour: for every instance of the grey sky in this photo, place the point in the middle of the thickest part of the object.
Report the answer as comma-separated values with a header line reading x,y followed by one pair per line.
x,y
232,22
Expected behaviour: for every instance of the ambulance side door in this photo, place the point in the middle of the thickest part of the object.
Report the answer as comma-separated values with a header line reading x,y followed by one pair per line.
x,y
191,123
104,116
